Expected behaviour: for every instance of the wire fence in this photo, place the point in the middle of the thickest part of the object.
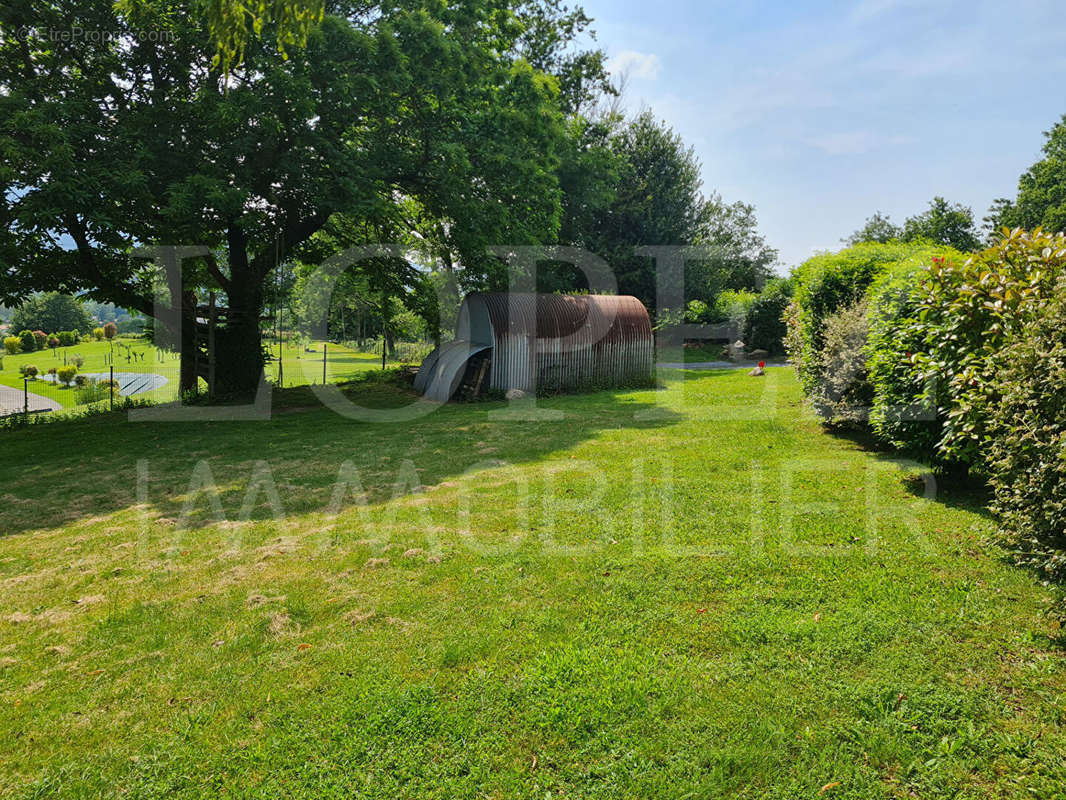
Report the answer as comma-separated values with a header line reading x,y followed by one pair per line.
x,y
60,390
132,373
338,362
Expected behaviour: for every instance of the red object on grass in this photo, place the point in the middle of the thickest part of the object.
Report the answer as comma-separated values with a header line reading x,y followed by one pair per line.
x,y
762,363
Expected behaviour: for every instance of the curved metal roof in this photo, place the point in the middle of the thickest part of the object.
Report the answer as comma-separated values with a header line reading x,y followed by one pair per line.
x,y
579,320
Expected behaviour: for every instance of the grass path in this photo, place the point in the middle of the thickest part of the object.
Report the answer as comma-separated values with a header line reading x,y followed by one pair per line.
x,y
691,592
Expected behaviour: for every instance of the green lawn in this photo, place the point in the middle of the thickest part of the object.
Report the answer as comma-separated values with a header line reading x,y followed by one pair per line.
x,y
303,365
687,592
95,360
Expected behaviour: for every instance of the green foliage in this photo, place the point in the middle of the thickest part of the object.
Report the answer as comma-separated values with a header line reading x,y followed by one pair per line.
x,y
943,223
67,338
28,371
732,307
878,228
388,109
636,183
66,374
77,360
51,311
843,394
1041,199
905,404
98,334
28,341
110,331
53,340
966,313
91,391
1026,434
830,282
12,345
764,326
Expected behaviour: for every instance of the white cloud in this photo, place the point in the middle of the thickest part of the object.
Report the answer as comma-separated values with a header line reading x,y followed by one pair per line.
x,y
635,65
852,143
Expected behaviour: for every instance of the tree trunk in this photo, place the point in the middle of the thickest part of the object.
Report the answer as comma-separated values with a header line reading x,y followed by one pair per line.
x,y
187,377
239,357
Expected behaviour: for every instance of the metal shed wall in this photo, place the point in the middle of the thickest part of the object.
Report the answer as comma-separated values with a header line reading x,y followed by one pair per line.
x,y
550,341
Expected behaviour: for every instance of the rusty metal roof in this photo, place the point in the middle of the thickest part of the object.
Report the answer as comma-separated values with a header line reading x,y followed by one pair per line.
x,y
585,318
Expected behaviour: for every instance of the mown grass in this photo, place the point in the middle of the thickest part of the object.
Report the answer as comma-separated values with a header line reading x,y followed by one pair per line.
x,y
302,366
95,356
685,592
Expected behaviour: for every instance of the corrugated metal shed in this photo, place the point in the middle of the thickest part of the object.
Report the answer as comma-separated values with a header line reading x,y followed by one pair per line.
x,y
549,342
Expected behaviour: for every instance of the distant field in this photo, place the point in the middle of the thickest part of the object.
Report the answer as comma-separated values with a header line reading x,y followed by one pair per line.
x,y
148,359
690,592
302,366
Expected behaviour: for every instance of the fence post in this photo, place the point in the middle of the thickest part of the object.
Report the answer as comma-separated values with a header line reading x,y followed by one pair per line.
x,y
325,347
26,396
112,387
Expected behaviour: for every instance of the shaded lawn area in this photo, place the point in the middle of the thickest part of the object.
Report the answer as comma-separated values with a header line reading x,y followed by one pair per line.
x,y
686,592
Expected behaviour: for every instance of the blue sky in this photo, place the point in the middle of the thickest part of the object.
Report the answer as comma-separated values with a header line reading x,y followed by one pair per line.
x,y
822,113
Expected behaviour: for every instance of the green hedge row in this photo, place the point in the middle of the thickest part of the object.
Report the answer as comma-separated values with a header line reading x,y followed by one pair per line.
x,y
957,359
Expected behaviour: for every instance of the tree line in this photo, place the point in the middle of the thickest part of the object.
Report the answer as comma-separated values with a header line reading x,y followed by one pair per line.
x,y
1040,203
445,128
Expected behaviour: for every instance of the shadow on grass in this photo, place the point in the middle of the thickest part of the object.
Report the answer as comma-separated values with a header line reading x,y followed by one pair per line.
x,y
58,474
955,488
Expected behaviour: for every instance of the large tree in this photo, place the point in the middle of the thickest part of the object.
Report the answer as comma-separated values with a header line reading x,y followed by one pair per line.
x,y
1041,200
950,224
632,183
142,140
51,312
878,228
944,223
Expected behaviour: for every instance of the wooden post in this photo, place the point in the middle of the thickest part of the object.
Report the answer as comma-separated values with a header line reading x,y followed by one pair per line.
x,y
325,347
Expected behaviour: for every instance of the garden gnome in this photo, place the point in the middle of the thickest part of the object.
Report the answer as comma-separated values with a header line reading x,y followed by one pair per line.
x,y
759,370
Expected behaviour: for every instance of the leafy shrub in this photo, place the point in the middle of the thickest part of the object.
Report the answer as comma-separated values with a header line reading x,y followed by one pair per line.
x,y
967,312
66,374
1026,429
40,339
764,326
843,394
91,391
77,361
697,312
81,380
67,338
28,340
110,330
904,411
98,334
28,371
12,345
732,306
830,282
51,370
53,341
